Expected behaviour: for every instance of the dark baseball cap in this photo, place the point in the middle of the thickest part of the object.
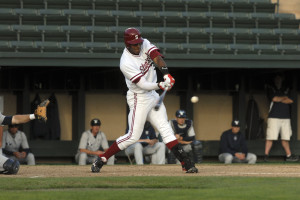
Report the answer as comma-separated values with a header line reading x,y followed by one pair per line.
x,y
95,122
13,126
236,123
180,114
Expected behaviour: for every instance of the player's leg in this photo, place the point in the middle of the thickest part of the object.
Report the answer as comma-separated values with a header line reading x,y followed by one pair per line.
x,y
251,158
111,160
160,154
268,146
273,129
139,106
187,148
159,120
226,158
197,151
285,135
30,159
286,146
82,158
138,153
157,152
136,150
129,151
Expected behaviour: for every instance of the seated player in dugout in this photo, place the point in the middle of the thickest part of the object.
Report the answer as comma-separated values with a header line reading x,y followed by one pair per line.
x,y
139,63
148,145
233,146
15,145
93,143
185,134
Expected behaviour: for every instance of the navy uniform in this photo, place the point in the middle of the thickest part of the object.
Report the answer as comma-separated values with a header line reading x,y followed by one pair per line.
x,y
186,134
233,144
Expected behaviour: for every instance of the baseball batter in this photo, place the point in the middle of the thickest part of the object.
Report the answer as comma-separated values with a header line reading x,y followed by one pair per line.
x,y
137,64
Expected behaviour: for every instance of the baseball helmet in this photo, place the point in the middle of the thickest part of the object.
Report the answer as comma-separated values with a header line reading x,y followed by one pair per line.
x,y
95,122
132,36
180,114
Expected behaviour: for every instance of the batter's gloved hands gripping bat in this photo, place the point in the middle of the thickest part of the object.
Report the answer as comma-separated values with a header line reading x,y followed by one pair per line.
x,y
169,79
164,86
168,83
41,111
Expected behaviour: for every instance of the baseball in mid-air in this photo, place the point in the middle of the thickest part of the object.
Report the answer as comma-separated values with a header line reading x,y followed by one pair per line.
x,y
194,99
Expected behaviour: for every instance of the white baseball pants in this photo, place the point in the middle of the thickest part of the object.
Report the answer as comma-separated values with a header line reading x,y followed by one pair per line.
x,y
142,109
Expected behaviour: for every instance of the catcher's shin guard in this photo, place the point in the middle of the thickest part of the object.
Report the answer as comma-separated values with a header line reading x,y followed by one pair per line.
x,y
11,166
197,151
97,165
182,156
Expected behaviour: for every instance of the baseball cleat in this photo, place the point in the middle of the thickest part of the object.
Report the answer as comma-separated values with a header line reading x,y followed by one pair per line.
x,y
97,165
192,170
292,158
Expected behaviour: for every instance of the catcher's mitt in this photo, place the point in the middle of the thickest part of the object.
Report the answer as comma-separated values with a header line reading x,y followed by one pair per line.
x,y
41,110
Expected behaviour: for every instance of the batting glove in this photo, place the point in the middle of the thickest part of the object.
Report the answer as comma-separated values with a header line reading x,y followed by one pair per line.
x,y
169,79
164,85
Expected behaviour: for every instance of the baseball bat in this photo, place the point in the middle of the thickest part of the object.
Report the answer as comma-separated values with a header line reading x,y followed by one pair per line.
x,y
160,100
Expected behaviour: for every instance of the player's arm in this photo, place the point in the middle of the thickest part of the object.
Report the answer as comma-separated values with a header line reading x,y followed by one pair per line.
x,y
91,152
145,85
283,99
153,141
11,153
83,147
20,119
17,119
160,63
162,66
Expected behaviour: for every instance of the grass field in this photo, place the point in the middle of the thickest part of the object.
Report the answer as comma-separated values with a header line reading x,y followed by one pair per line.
x,y
149,187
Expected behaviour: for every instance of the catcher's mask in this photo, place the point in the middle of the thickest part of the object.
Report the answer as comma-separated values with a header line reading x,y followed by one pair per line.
x,y
132,36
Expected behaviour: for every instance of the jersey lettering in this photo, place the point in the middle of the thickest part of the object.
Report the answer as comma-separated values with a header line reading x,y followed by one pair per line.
x,y
145,66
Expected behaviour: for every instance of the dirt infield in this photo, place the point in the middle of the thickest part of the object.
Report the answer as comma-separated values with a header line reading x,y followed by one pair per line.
x,y
268,170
